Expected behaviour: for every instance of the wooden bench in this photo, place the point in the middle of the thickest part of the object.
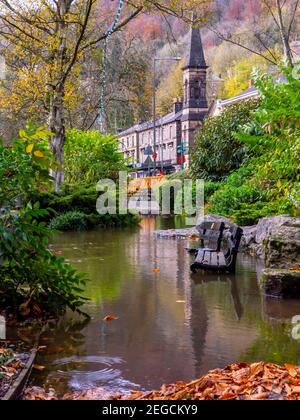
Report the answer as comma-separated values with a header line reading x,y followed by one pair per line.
x,y
220,261
212,232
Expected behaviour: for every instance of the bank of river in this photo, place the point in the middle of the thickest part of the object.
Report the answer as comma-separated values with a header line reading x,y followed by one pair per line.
x,y
172,325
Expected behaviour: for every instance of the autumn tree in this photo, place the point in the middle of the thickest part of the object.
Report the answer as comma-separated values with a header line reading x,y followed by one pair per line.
x,y
170,88
272,21
53,36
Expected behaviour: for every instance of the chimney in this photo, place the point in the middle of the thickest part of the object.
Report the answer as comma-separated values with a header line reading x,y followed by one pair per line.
x,y
177,105
250,83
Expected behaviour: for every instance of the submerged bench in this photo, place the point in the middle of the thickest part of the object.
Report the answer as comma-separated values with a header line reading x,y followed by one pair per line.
x,y
211,232
220,261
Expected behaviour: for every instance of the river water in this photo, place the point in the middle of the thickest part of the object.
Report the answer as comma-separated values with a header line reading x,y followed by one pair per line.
x,y
172,325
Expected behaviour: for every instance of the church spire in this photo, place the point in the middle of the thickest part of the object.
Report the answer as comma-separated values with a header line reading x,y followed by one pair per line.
x,y
195,57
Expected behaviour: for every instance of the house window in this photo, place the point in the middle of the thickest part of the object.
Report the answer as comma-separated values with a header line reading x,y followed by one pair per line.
x,y
170,132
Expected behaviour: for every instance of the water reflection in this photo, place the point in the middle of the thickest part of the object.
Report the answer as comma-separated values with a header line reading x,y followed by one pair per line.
x,y
172,325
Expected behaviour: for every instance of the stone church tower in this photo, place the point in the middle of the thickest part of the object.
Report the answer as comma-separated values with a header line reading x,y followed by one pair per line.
x,y
195,105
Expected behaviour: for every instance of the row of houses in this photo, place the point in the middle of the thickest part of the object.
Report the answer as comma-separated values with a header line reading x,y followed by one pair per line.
x,y
175,131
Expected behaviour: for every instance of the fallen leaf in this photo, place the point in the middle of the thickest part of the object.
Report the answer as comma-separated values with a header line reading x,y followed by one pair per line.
x,y
39,367
180,301
24,309
291,369
294,269
37,310
110,318
156,270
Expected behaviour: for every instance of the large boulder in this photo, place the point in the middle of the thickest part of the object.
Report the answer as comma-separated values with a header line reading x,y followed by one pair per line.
x,y
280,283
267,225
213,218
282,244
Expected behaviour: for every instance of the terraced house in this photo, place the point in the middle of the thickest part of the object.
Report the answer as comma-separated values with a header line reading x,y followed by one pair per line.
x,y
174,131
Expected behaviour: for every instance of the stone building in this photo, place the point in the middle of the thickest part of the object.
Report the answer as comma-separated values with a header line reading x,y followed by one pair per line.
x,y
174,131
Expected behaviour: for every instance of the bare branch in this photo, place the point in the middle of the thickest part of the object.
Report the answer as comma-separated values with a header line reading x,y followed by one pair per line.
x,y
237,43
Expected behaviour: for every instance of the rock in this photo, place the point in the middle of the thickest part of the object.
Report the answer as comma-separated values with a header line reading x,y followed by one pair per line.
x,y
282,245
176,233
249,236
255,250
280,283
267,224
213,218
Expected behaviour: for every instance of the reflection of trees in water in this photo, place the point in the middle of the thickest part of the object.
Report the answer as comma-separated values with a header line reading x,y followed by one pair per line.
x,y
102,257
171,326
274,344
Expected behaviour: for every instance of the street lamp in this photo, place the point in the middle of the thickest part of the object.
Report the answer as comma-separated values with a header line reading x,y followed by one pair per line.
x,y
155,59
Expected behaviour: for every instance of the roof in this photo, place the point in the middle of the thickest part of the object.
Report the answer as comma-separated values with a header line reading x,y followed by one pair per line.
x,y
166,119
253,91
195,57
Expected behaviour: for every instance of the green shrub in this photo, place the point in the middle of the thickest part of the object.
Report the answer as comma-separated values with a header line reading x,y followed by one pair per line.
x,y
33,281
179,175
210,188
269,183
91,156
217,152
229,199
71,221
83,201
250,214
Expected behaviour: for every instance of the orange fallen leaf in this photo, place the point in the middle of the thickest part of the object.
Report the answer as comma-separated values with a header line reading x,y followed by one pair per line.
x,y
156,270
291,369
39,367
294,269
110,318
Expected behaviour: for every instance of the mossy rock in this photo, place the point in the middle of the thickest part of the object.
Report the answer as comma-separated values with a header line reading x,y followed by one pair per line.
x,y
280,283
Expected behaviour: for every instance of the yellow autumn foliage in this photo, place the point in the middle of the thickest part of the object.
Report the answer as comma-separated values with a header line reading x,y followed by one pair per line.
x,y
239,74
169,89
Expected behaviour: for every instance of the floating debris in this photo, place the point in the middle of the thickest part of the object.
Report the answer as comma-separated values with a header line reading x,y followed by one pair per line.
x,y
110,318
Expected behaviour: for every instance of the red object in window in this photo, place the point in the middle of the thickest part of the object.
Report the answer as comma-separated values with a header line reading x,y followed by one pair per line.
x,y
180,160
154,156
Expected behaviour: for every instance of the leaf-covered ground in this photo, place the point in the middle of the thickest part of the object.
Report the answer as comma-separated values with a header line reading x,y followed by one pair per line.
x,y
11,363
257,381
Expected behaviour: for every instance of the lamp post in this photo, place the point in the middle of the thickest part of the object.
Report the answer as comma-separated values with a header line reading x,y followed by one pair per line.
x,y
155,59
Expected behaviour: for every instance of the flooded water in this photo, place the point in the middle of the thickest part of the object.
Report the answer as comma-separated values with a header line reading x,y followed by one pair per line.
x,y
172,325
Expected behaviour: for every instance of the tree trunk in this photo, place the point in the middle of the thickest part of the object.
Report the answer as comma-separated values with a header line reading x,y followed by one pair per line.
x,y
56,115
57,140
284,38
